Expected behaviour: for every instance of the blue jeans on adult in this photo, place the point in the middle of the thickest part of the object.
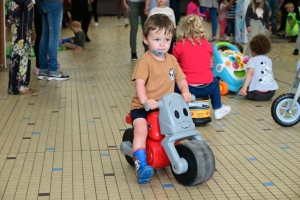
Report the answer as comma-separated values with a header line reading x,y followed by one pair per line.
x,y
274,7
51,12
213,18
212,90
230,27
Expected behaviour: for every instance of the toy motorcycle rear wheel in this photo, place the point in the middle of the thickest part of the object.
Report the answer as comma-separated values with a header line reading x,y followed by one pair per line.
x,y
128,136
201,162
282,112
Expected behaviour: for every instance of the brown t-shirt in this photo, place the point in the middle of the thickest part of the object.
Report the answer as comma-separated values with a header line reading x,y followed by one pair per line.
x,y
159,77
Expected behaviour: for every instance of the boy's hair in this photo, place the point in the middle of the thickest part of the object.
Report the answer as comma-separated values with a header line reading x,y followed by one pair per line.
x,y
289,5
239,46
76,24
260,44
191,27
158,22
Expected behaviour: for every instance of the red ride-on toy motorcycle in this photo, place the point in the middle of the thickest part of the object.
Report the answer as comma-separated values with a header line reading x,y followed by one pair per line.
x,y
172,138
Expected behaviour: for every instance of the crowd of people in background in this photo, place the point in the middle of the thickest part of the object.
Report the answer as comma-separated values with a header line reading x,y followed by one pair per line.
x,y
48,15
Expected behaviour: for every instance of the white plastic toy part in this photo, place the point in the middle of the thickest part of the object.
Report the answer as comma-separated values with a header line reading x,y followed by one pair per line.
x,y
298,65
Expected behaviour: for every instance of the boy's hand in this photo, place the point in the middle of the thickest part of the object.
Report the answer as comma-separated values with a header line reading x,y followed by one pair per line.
x,y
243,91
249,29
152,103
187,96
266,31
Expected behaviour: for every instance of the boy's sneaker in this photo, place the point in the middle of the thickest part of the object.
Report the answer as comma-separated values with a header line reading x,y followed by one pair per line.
x,y
42,75
134,56
222,38
59,76
227,38
221,112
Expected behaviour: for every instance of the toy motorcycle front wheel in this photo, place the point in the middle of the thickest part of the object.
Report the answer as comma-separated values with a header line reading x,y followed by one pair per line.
x,y
201,162
128,136
282,112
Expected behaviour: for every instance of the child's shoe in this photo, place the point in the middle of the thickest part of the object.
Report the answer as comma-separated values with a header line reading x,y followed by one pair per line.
x,y
296,52
144,171
222,38
119,22
221,112
227,38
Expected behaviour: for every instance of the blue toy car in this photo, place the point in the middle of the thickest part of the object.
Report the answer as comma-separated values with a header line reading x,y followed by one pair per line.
x,y
229,67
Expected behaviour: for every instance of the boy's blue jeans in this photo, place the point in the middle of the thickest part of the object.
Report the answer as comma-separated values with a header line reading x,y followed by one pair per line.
x,y
51,12
212,90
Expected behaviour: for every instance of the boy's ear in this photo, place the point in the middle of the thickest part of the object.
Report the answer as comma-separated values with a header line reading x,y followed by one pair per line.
x,y
145,40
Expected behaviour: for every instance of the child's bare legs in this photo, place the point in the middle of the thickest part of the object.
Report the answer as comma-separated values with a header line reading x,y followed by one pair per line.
x,y
144,171
140,134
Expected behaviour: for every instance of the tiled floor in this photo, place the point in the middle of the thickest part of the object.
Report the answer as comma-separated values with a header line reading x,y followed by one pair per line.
x,y
63,141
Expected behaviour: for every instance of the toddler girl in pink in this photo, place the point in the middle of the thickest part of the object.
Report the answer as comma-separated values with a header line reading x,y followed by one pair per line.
x,y
193,8
223,18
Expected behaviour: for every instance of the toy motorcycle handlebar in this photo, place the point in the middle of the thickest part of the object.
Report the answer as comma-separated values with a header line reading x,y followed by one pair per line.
x,y
147,107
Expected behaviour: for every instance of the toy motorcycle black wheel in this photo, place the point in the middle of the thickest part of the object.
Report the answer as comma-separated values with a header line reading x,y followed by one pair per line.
x,y
282,112
201,162
128,136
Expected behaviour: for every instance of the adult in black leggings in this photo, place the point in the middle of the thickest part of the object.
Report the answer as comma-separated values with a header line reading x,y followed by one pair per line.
x,y
95,13
38,35
80,12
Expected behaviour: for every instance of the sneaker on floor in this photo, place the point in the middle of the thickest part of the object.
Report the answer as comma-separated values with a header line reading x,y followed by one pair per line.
x,y
221,112
227,38
134,56
96,24
42,75
212,40
126,22
36,70
59,76
222,38
119,22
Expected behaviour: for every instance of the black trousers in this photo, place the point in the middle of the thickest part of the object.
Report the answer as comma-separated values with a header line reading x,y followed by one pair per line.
x,y
21,18
258,96
95,7
81,13
38,34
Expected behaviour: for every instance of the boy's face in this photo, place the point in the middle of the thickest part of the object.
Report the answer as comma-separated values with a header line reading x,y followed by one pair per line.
x,y
290,9
75,29
159,43
161,2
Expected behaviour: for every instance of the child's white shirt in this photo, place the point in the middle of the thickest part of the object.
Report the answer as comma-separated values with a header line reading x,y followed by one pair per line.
x,y
167,11
262,79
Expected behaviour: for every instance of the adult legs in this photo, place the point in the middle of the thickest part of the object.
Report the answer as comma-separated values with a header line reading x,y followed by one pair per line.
x,y
143,19
175,5
95,7
21,27
38,32
274,6
51,22
136,10
214,21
